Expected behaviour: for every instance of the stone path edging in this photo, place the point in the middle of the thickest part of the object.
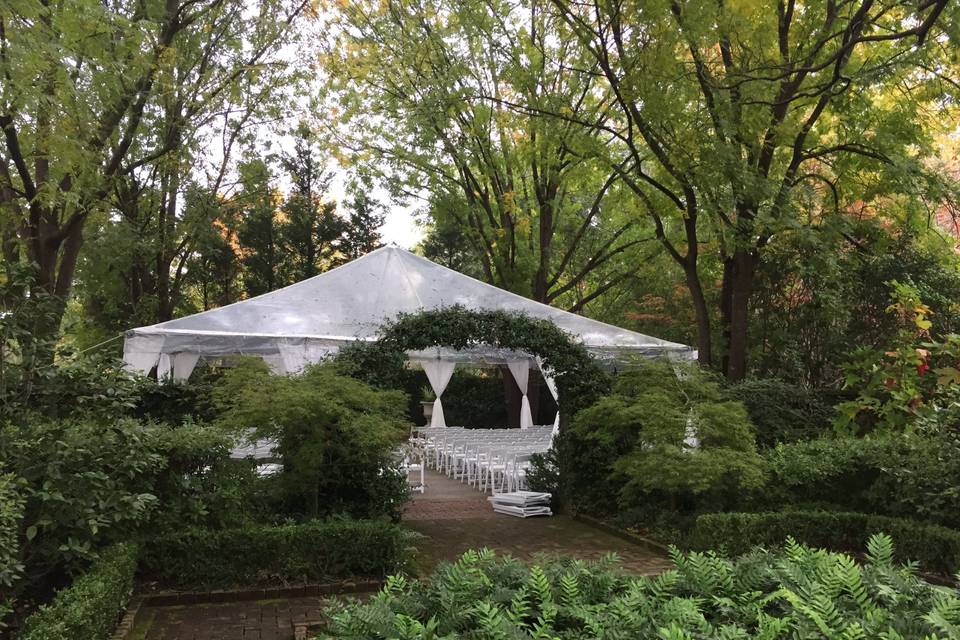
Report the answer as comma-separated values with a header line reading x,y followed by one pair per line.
x,y
171,598
129,617
652,545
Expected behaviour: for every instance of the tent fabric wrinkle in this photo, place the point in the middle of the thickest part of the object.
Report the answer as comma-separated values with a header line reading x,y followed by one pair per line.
x,y
438,373
521,373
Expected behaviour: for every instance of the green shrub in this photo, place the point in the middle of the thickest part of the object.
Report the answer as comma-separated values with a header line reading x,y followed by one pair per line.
x,y
316,550
91,607
667,434
337,436
544,472
800,593
934,548
86,483
903,475
11,514
783,412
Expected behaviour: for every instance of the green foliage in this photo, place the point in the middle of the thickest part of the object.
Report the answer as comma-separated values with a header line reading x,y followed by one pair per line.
x,y
254,554
896,475
908,380
23,349
934,548
782,412
476,399
337,436
819,296
85,483
544,472
91,607
799,593
667,432
11,515
580,381
532,208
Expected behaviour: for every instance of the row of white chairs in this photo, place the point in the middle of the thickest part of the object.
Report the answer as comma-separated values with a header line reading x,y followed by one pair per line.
x,y
494,460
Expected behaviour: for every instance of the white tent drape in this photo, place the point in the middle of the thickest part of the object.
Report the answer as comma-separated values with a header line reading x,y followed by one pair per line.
x,y
521,373
183,365
164,367
295,357
438,373
140,361
552,386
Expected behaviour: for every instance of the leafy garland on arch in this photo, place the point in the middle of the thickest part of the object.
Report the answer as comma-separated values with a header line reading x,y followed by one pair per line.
x,y
580,380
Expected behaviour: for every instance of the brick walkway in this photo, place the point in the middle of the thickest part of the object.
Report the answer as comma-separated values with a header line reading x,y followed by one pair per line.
x,y
262,620
452,517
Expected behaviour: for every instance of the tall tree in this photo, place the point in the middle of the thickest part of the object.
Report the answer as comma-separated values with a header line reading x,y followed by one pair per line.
x,y
264,264
86,85
426,89
312,231
740,120
366,216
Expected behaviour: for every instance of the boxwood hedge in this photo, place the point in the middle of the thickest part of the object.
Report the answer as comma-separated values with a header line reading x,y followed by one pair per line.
x,y
90,607
935,548
320,550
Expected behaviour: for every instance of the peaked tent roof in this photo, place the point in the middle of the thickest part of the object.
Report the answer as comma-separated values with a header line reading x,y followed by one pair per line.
x,y
352,301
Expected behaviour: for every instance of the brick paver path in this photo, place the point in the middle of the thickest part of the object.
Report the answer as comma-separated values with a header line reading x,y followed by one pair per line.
x,y
264,620
454,517
451,517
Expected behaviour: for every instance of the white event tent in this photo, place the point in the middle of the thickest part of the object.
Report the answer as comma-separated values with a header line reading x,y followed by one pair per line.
x,y
310,320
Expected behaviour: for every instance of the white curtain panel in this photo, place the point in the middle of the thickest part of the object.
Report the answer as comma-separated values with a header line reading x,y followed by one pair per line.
x,y
552,386
293,356
183,365
140,361
275,362
164,367
521,373
438,373
297,356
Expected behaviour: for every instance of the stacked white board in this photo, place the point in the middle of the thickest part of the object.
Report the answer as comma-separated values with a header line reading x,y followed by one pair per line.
x,y
522,504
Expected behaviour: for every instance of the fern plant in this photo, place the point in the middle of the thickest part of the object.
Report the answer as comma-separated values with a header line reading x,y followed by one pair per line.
x,y
796,593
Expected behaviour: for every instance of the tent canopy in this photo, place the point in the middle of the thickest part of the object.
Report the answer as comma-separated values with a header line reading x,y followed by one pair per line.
x,y
309,320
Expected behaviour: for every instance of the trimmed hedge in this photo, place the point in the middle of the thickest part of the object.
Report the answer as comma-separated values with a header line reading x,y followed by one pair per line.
x,y
935,548
300,552
90,607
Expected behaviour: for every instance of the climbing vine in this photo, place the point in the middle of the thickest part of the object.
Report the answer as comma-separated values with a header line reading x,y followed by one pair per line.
x,y
580,381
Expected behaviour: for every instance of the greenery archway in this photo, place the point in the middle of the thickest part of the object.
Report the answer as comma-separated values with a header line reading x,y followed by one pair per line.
x,y
580,381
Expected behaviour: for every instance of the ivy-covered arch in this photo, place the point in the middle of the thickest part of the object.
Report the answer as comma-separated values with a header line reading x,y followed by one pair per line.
x,y
580,381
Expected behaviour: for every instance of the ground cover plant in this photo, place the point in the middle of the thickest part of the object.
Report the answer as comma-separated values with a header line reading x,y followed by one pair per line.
x,y
799,592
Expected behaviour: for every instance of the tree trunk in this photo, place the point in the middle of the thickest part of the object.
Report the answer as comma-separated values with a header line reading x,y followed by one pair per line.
x,y
738,276
702,314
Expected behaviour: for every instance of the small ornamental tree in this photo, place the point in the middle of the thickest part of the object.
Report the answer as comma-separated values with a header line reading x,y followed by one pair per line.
x,y
336,435
666,434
